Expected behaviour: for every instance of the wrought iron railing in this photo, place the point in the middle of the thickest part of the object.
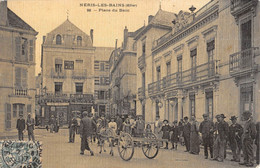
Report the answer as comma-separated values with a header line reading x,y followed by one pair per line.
x,y
156,87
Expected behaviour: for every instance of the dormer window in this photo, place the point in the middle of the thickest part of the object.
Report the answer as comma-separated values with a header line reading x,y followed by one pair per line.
x,y
58,39
79,41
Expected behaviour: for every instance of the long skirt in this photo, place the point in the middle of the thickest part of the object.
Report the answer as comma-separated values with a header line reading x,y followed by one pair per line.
x,y
194,143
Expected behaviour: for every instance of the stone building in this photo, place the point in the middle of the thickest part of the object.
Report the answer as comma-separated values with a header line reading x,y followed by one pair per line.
x,y
67,64
17,62
206,63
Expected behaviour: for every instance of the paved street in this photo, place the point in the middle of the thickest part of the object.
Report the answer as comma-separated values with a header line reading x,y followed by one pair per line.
x,y
58,153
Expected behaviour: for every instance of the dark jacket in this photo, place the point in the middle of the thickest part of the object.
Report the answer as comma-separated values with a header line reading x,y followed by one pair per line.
x,y
249,130
119,123
206,129
175,133
86,126
235,132
222,130
20,124
257,133
73,123
30,124
186,129
166,131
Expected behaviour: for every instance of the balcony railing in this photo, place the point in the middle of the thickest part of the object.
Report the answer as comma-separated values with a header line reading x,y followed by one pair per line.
x,y
79,74
156,87
141,93
20,92
172,80
243,61
141,61
58,74
239,6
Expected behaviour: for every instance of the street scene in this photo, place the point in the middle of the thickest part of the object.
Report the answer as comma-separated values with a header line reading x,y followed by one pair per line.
x,y
132,83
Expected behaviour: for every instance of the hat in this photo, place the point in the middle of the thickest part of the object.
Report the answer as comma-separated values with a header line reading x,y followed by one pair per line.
x,y
85,113
246,114
175,121
186,118
217,116
166,121
233,118
222,115
205,115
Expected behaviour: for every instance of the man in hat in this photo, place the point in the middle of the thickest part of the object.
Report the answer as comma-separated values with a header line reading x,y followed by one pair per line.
x,y
186,133
206,129
30,127
86,130
249,134
235,133
140,126
20,126
72,129
221,132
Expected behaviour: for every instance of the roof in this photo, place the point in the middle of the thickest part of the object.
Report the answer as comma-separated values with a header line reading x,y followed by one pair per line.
x,y
16,22
103,53
132,34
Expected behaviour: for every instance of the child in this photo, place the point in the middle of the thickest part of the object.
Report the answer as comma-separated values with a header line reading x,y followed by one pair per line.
x,y
166,132
175,135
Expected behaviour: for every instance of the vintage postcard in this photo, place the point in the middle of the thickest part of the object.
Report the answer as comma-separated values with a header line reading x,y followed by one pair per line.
x,y
129,83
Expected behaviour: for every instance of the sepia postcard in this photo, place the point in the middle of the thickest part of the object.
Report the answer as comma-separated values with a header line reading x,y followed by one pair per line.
x,y
129,83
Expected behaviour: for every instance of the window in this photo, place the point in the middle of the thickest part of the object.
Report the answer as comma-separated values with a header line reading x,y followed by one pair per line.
x,y
179,74
24,46
79,41
8,116
58,39
79,88
143,48
209,104
102,66
210,51
20,78
246,98
58,68
193,55
31,50
168,68
101,95
192,105
157,108
18,109
96,65
158,73
97,80
58,87
246,35
143,80
69,65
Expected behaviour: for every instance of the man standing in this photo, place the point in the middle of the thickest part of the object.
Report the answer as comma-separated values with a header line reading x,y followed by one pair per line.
x,y
86,129
221,128
140,126
30,127
235,133
249,134
72,129
206,129
20,126
119,123
186,133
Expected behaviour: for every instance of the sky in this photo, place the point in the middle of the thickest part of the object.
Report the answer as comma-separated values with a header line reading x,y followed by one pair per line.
x,y
45,15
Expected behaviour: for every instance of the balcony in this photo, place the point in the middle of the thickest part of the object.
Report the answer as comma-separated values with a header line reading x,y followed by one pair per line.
x,y
172,80
79,74
156,88
56,97
243,62
58,75
239,7
141,61
81,98
141,93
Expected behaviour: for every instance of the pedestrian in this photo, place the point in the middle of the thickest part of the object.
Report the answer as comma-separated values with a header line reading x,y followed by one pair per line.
x,y
249,134
257,142
175,135
57,124
148,130
20,126
180,126
52,123
30,127
235,133
86,128
166,132
127,126
186,133
72,129
119,123
140,126
194,137
221,133
207,129
158,129
112,124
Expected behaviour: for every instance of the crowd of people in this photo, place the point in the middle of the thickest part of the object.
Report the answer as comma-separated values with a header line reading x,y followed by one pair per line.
x,y
215,137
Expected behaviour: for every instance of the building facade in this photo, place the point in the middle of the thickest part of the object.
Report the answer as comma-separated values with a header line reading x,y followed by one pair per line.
x,y
67,72
123,76
102,81
17,62
207,63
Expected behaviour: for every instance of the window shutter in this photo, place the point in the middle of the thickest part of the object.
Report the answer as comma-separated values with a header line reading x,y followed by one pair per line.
x,y
24,78
26,50
31,51
8,116
18,48
29,108
18,77
211,45
193,52
95,94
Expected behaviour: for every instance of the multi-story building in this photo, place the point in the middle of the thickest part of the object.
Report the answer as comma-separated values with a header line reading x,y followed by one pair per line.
x,y
207,63
17,62
102,81
123,75
157,26
67,72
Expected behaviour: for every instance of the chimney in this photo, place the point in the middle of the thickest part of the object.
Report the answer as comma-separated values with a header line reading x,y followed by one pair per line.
x,y
91,34
3,13
125,37
150,17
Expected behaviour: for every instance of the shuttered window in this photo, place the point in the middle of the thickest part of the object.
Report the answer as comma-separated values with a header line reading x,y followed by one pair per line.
x,y
8,116
18,48
31,50
21,77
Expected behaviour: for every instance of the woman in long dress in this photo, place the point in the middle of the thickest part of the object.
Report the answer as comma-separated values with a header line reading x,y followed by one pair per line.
x,y
194,137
